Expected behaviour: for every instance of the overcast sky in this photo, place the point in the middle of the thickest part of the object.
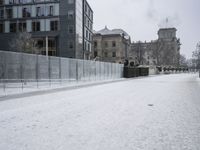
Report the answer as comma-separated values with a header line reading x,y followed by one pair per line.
x,y
141,19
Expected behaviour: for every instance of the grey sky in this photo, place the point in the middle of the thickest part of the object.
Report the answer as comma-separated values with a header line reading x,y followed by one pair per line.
x,y
142,18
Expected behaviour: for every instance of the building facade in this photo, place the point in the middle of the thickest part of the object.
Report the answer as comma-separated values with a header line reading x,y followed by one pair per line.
x,y
165,51
59,27
111,45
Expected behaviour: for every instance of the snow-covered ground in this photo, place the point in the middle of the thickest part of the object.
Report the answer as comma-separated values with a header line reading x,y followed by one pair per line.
x,y
155,113
18,88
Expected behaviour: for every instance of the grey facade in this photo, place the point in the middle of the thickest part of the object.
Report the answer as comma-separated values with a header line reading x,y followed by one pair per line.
x,y
57,26
165,51
111,45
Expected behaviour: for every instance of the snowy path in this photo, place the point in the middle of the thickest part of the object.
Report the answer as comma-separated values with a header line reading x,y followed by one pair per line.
x,y
114,116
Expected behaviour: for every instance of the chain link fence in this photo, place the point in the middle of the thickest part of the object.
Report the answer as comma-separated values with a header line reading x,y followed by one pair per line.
x,y
19,71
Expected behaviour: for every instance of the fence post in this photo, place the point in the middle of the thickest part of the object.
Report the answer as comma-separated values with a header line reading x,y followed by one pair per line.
x,y
49,69
77,70
21,70
84,70
104,65
4,72
69,70
37,71
60,71
95,63
199,73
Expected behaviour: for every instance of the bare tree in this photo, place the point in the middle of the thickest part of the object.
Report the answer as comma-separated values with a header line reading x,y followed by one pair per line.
x,y
183,61
169,56
196,56
140,53
24,43
164,53
157,52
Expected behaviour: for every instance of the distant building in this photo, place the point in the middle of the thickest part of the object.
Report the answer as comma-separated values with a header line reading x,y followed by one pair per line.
x,y
111,45
165,51
59,27
142,53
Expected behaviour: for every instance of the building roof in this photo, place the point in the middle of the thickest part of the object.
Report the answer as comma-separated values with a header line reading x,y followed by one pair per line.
x,y
163,29
106,31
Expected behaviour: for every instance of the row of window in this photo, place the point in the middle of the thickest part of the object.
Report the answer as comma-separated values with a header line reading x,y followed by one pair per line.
x,y
29,11
41,45
87,22
87,46
106,44
9,2
88,11
88,35
23,26
113,54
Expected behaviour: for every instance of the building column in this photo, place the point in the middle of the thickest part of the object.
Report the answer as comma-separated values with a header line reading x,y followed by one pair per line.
x,y
47,46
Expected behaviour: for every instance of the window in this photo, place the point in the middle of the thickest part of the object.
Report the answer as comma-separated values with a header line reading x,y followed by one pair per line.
x,y
113,54
90,36
26,12
85,45
36,26
1,13
85,20
85,7
50,11
88,23
87,34
70,14
38,11
40,44
71,45
10,1
16,1
25,1
113,44
38,0
88,47
95,53
1,2
70,1
1,27
106,44
54,25
95,44
106,54
22,26
9,12
13,1
52,47
90,26
43,11
13,27
71,29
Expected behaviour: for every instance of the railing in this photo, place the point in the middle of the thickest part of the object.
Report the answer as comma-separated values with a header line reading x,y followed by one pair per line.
x,y
20,71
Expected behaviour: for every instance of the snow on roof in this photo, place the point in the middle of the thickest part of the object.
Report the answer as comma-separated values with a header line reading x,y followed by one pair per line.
x,y
106,31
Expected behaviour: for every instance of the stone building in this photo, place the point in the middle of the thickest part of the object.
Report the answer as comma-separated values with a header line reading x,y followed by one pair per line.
x,y
111,45
165,51
142,53
59,27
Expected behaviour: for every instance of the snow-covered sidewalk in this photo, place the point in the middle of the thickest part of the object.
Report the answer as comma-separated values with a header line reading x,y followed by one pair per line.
x,y
157,113
13,89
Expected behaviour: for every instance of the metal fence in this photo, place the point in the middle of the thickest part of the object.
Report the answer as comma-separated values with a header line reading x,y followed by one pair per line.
x,y
19,70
